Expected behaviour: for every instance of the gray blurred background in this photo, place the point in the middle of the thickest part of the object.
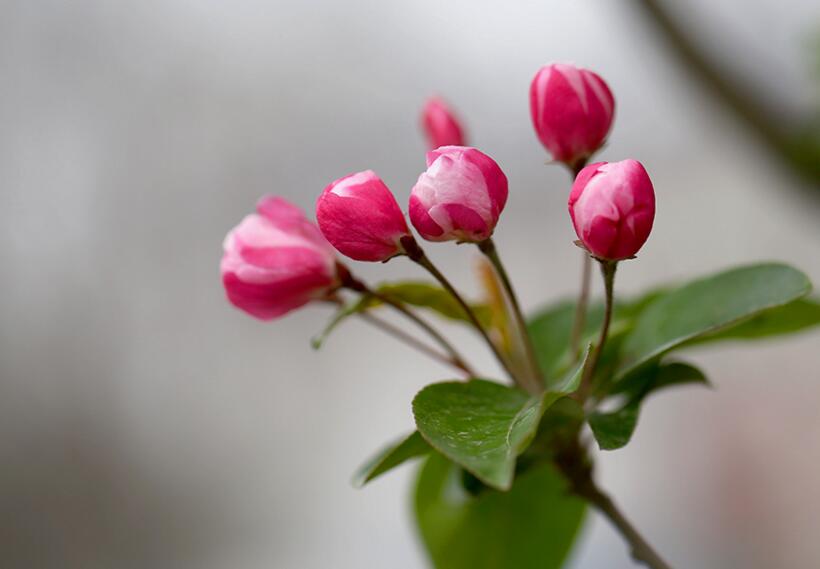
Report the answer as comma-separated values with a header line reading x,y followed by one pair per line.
x,y
144,423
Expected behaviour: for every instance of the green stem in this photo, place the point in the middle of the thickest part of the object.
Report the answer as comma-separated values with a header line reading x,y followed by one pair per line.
x,y
573,462
535,379
417,255
455,358
608,269
403,336
351,282
641,551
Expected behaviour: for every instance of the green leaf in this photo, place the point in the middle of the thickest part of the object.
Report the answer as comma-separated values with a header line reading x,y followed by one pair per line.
x,y
788,319
432,297
706,306
484,426
672,374
551,328
481,425
614,429
550,331
533,526
561,422
569,384
391,456
659,376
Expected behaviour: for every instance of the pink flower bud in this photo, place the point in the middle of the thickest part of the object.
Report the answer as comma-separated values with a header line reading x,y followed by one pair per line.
x,y
571,110
360,217
612,206
276,260
440,124
459,197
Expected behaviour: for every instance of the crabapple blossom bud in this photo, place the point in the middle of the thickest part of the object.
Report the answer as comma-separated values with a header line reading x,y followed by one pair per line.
x,y
612,206
572,111
276,260
459,197
440,124
359,215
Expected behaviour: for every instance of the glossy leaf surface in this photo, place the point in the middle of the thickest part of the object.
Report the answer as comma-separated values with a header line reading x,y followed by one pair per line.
x,y
533,526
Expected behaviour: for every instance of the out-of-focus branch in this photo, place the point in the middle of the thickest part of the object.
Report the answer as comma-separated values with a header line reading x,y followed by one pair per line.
x,y
402,336
576,466
642,551
798,150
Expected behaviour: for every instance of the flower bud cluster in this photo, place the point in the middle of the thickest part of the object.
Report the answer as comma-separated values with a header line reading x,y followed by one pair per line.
x,y
276,260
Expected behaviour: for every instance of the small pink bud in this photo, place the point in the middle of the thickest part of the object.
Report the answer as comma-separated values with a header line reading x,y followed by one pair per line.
x,y
276,260
572,111
612,206
360,217
459,197
440,125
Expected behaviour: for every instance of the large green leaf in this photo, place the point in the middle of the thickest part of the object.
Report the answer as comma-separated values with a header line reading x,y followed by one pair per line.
x,y
788,319
484,426
707,306
551,328
614,429
408,447
533,526
481,425
567,385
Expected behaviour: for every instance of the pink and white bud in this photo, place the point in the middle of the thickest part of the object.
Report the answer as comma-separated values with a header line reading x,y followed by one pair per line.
x,y
276,260
359,215
612,206
459,197
440,125
572,111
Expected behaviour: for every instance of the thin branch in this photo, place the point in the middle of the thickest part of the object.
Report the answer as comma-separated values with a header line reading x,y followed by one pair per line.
x,y
642,552
573,462
417,255
455,358
403,336
608,272
352,283
535,379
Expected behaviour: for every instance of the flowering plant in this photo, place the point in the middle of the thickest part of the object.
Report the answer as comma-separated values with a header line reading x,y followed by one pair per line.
x,y
508,468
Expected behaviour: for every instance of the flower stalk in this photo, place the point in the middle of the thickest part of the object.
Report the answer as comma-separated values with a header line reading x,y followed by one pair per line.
x,y
417,255
608,269
455,358
534,380
418,345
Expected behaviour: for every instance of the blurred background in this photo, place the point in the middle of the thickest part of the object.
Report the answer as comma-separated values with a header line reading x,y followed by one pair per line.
x,y
146,423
